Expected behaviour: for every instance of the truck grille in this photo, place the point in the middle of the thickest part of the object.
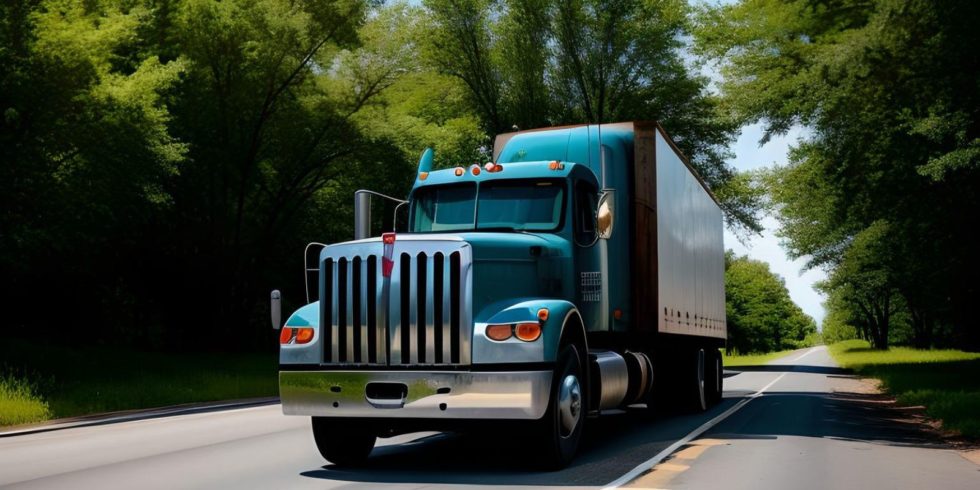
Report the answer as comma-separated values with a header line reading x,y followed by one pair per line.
x,y
421,318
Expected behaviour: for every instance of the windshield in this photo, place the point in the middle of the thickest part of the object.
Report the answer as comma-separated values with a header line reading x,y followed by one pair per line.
x,y
530,204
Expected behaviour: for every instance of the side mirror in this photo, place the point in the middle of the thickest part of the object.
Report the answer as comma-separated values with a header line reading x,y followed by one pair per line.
x,y
605,215
276,300
362,215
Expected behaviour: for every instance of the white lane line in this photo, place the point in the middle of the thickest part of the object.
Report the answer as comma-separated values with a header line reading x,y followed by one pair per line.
x,y
654,461
811,351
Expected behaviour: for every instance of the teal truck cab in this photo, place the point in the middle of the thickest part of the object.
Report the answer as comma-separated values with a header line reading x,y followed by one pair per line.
x,y
580,271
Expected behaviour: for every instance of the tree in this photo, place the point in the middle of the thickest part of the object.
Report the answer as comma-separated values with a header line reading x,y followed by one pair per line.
x,y
888,90
761,316
159,155
533,63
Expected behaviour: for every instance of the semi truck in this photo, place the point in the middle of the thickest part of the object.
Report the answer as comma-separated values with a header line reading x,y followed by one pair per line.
x,y
579,271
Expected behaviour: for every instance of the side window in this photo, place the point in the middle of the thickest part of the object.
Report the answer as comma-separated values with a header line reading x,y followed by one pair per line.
x,y
586,199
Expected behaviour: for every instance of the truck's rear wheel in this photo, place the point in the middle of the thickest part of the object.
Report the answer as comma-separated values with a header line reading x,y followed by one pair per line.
x,y
716,377
341,442
563,423
695,381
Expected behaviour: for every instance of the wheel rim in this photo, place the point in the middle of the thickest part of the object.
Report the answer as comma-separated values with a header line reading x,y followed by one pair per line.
x,y
569,404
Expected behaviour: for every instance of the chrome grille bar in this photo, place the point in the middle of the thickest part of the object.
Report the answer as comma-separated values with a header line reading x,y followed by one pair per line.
x,y
430,339
420,315
413,311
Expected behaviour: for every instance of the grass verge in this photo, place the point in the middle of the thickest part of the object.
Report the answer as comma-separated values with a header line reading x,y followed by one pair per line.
x,y
945,382
70,381
20,402
751,359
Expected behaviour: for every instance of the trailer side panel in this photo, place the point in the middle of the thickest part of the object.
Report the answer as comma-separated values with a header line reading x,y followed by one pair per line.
x,y
690,250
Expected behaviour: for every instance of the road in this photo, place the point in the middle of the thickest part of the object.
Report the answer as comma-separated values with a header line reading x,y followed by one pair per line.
x,y
796,423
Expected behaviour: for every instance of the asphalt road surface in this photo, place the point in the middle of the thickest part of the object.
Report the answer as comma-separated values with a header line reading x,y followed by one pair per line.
x,y
796,423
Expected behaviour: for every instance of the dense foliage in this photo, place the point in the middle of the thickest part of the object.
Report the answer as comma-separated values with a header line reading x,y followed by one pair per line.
x,y
884,193
163,162
761,315
532,63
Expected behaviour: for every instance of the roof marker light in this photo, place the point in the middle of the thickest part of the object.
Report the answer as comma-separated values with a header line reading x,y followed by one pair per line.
x,y
460,171
423,175
475,169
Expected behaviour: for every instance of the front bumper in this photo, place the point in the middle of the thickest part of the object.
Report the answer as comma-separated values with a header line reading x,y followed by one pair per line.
x,y
429,394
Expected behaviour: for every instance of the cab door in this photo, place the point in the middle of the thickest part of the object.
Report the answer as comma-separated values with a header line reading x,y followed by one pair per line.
x,y
588,272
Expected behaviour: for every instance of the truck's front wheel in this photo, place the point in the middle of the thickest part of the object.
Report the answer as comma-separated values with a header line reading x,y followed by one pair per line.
x,y
562,425
341,442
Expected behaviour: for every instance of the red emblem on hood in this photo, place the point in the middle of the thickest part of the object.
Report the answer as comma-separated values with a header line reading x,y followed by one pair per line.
x,y
386,263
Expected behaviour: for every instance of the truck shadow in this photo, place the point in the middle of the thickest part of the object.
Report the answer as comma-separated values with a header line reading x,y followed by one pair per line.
x,y
616,443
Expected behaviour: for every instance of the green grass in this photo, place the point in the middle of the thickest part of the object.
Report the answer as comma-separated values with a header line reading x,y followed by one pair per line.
x,y
752,359
70,381
946,382
20,403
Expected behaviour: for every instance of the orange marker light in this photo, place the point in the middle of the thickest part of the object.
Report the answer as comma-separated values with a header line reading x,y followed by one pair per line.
x,y
553,165
528,332
304,335
285,335
498,167
475,169
423,175
499,332
460,171
543,315
618,314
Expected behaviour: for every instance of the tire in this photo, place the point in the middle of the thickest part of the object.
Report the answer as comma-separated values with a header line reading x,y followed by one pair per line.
x,y
561,427
342,443
716,377
695,383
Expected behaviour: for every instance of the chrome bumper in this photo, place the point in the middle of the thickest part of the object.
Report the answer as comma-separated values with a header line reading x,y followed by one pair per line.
x,y
433,395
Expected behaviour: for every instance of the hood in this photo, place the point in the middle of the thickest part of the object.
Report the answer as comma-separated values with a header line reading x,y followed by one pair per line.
x,y
510,266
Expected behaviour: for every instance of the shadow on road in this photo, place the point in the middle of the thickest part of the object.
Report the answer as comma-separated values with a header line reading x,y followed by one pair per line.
x,y
615,444
848,416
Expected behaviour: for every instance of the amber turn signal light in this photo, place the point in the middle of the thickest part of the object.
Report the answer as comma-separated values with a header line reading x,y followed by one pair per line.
x,y
543,315
499,332
295,335
304,335
528,332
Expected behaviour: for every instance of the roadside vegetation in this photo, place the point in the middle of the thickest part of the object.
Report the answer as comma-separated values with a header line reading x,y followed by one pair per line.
x,y
80,380
946,382
762,317
20,402
882,189
734,360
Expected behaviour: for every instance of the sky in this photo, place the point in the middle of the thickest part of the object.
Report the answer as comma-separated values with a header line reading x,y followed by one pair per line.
x,y
750,155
